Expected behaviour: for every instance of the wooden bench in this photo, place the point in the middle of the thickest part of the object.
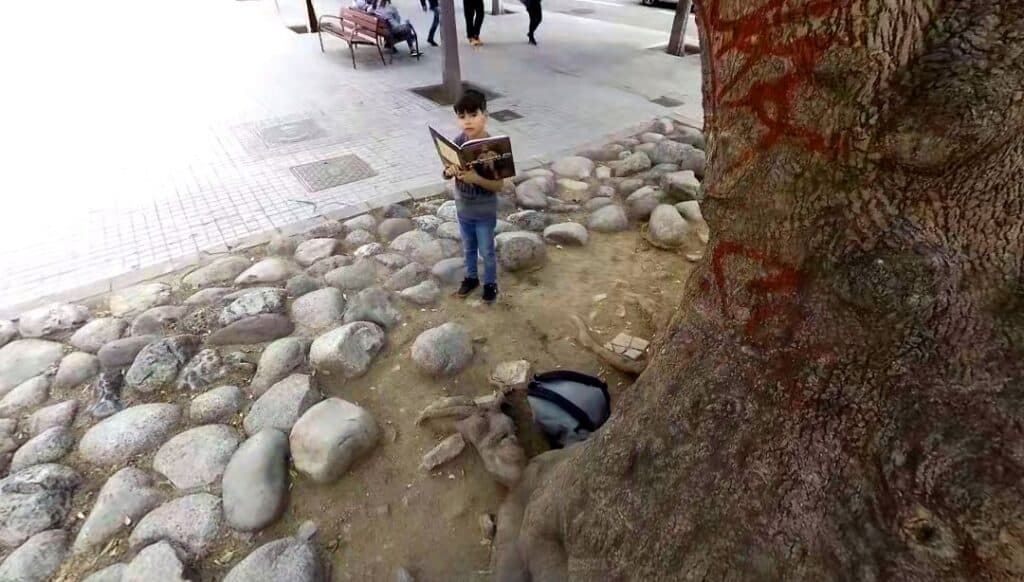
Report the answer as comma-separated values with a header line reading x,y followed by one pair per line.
x,y
356,27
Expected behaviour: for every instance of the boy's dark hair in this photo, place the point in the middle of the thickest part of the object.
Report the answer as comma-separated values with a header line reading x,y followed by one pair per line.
x,y
471,101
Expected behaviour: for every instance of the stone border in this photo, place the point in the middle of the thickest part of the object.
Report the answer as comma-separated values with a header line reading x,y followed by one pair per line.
x,y
93,291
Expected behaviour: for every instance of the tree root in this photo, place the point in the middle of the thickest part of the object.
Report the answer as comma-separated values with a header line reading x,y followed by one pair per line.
x,y
620,363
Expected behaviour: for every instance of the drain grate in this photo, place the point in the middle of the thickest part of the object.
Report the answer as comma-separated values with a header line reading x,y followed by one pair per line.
x,y
581,11
506,115
333,172
667,101
289,133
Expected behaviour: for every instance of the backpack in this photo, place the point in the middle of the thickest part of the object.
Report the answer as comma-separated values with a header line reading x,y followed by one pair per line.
x,y
568,406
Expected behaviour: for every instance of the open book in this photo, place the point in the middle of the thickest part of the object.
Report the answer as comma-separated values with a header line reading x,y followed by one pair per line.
x,y
491,157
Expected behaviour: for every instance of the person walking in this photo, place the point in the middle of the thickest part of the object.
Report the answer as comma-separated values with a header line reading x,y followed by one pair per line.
x,y
474,10
436,9
536,15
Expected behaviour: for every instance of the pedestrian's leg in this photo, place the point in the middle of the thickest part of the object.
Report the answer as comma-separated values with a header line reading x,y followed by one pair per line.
x,y
485,242
467,9
470,247
433,27
479,18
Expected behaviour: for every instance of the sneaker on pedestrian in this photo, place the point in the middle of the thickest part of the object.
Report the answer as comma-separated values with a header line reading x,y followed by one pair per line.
x,y
431,42
490,292
467,287
531,39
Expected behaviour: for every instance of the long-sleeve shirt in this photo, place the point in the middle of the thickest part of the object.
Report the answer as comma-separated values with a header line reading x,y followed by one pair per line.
x,y
472,201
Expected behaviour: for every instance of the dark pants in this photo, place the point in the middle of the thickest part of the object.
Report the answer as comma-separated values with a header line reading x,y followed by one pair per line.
x,y
533,9
434,25
474,17
404,32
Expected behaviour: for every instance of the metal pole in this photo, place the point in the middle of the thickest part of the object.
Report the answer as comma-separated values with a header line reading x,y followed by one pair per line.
x,y
452,74
677,40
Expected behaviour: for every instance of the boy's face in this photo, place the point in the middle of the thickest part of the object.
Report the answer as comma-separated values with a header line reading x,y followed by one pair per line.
x,y
473,124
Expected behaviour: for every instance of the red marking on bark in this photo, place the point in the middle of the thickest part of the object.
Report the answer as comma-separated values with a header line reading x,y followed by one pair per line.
x,y
783,280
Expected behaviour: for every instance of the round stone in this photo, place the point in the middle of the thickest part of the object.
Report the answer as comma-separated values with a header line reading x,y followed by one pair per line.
x,y
255,482
23,359
221,271
269,270
218,405
611,218
640,204
127,495
253,330
348,350
533,193
391,228
518,251
566,233
52,319
158,320
34,500
277,362
159,363
448,211
282,405
313,250
193,523
37,559
330,437
291,559
49,446
255,303
443,350
130,432
373,305
360,275
319,310
197,457
426,293
667,229
358,238
133,301
75,369
25,396
575,167
363,222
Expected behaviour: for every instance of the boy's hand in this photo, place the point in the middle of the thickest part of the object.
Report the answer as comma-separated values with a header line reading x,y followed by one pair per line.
x,y
451,171
470,177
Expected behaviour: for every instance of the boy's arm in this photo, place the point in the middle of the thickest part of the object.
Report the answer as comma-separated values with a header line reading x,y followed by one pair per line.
x,y
471,177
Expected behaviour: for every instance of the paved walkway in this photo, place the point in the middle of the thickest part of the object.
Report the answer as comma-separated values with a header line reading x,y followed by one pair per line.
x,y
143,147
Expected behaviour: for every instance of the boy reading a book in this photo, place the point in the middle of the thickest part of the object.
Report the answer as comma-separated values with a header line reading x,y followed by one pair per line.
x,y
476,201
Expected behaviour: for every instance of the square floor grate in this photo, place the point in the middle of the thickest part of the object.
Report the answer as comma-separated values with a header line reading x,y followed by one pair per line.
x,y
289,133
667,101
333,172
506,115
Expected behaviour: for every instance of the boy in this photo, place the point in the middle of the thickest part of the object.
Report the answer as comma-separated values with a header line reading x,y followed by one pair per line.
x,y
476,201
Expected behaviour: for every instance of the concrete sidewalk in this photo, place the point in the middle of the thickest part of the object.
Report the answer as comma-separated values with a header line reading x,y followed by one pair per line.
x,y
143,148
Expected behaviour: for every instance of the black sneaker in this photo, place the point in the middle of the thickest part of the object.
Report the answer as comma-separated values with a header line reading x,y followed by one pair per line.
x,y
431,42
491,292
467,287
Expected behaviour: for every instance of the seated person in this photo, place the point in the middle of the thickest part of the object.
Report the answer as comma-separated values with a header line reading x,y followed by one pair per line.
x,y
399,30
364,5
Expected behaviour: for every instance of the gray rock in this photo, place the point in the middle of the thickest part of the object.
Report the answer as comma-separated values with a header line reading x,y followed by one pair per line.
x,y
681,186
449,249
374,305
663,126
450,230
690,136
391,261
566,233
27,395
282,404
327,229
533,193
125,498
520,250
221,271
159,363
445,451
37,559
449,271
575,167
193,523
403,575
408,242
121,353
290,559
324,266
426,293
427,223
204,370
76,368
603,173
158,562
135,300
370,250
208,296
448,211
611,218
330,437
313,250
348,350
359,275
363,222
357,238
218,405
158,320
391,228
556,206
61,414
645,148
52,319
255,303
130,432
319,310
530,220
595,203
253,330
280,245
34,500
112,573
504,226
8,331
269,270
9,441
255,482
572,190
407,276
634,164
278,360
667,229
607,153
672,152
627,186
690,210
640,204
23,359
197,457
443,350
49,446
302,284
433,251
395,211
651,137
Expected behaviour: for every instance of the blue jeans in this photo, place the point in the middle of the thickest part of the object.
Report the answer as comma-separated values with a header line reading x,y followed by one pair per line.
x,y
478,237
433,25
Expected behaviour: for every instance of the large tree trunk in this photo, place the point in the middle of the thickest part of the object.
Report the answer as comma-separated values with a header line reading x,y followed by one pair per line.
x,y
840,395
677,38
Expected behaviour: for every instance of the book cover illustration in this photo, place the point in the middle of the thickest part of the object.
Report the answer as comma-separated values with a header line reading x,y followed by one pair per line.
x,y
491,157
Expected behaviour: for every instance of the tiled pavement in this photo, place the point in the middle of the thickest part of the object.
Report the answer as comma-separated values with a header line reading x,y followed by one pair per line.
x,y
142,148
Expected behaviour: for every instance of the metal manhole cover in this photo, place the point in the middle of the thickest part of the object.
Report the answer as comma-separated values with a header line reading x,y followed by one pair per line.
x,y
667,101
581,11
333,172
506,115
291,132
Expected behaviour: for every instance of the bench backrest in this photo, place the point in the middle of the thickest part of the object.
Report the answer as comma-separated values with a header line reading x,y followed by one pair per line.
x,y
364,22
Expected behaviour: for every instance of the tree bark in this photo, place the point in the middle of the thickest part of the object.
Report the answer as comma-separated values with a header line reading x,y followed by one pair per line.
x,y
840,395
451,75
677,38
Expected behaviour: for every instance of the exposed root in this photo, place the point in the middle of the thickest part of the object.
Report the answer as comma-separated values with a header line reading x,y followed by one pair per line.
x,y
620,363
647,308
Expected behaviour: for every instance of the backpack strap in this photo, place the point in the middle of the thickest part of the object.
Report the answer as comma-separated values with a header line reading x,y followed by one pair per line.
x,y
571,376
538,391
